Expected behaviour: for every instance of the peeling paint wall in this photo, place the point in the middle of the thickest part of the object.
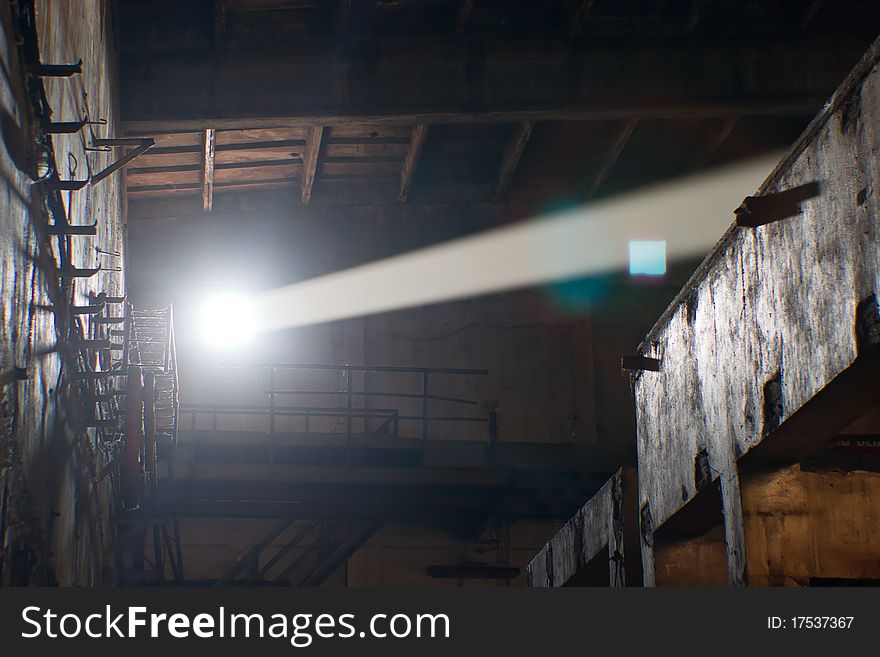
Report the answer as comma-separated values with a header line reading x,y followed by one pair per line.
x,y
57,515
778,299
605,530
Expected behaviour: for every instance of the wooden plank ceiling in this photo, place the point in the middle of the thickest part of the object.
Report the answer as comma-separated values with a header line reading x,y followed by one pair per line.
x,y
593,147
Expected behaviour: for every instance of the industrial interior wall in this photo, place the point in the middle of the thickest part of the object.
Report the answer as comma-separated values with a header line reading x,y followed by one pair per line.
x,y
540,380
771,307
396,555
56,514
694,561
803,527
542,348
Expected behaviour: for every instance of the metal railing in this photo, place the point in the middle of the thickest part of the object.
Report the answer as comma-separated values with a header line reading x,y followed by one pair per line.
x,y
151,346
389,418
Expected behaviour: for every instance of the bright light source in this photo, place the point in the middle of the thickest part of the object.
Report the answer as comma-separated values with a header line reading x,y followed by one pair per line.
x,y
647,258
228,320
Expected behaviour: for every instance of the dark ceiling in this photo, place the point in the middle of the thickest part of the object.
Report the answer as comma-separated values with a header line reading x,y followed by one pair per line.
x,y
454,101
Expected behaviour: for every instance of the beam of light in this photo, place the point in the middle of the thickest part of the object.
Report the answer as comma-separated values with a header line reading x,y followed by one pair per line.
x,y
690,214
228,320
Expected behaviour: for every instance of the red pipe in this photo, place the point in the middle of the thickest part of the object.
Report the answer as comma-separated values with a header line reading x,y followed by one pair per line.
x,y
132,466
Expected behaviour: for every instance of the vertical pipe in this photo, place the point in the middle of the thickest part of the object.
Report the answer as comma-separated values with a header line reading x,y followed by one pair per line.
x,y
166,540
150,424
272,401
493,428
134,426
425,405
178,547
151,468
272,415
348,390
3,506
175,384
166,362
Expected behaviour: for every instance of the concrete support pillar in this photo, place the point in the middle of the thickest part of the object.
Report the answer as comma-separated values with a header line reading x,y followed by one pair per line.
x,y
734,535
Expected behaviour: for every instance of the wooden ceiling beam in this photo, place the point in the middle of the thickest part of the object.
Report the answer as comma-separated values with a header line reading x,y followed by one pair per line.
x,y
613,155
411,161
245,165
512,154
160,190
683,110
718,140
580,16
314,138
343,20
811,12
465,9
698,10
685,78
208,150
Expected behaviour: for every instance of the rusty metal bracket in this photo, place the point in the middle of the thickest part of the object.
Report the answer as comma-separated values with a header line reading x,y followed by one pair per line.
x,y
13,374
101,297
87,310
67,229
762,210
640,363
76,272
55,70
70,127
143,145
66,185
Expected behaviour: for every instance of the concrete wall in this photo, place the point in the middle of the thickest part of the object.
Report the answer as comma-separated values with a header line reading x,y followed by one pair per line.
x,y
396,555
776,301
802,525
58,518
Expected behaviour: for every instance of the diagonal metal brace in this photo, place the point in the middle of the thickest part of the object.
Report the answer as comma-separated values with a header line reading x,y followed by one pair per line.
x,y
144,145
